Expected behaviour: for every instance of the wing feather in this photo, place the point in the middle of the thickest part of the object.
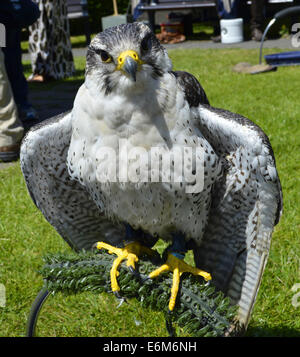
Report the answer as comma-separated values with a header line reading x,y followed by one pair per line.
x,y
246,205
246,201
65,203
193,91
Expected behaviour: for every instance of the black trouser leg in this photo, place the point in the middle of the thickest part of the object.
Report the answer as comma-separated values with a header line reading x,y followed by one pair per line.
x,y
14,67
257,14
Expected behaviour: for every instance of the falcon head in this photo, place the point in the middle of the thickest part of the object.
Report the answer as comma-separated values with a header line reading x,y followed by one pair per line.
x,y
125,56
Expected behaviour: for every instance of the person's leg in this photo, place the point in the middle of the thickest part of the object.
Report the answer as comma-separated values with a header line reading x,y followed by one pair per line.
x,y
14,68
11,129
49,43
227,9
257,19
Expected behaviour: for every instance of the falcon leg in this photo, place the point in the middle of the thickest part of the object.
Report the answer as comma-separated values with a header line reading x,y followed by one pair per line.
x,y
130,252
176,264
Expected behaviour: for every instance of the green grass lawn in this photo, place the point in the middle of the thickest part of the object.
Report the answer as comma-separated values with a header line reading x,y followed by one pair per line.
x,y
272,101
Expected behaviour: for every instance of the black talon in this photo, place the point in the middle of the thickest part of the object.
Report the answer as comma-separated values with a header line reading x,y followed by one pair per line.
x,y
120,298
117,295
134,272
146,280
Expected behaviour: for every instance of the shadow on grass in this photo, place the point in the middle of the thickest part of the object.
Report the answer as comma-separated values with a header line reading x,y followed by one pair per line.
x,y
52,97
79,74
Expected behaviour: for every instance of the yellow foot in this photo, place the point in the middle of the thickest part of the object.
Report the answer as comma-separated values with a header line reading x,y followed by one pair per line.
x,y
130,253
178,267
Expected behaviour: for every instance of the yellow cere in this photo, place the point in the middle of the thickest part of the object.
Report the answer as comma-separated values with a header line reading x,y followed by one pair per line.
x,y
130,53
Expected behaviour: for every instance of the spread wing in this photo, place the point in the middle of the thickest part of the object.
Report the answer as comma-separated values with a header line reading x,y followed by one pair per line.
x,y
246,204
65,203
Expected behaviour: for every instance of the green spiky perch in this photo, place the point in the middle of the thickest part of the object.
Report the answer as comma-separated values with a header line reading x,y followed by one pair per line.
x,y
200,310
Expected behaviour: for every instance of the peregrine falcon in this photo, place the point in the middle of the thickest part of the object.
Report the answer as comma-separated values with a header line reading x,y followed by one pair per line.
x,y
93,193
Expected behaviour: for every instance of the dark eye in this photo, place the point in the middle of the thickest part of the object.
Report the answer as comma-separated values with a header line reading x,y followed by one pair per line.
x,y
146,43
105,56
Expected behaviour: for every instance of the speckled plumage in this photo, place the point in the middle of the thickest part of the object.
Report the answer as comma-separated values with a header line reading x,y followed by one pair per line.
x,y
228,224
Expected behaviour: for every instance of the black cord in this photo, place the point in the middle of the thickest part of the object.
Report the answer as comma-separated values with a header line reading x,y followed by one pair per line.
x,y
34,311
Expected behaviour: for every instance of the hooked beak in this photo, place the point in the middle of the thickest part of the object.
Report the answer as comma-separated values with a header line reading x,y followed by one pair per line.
x,y
130,67
128,62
